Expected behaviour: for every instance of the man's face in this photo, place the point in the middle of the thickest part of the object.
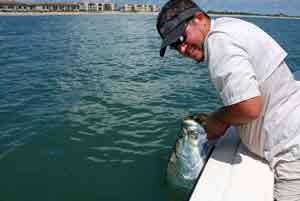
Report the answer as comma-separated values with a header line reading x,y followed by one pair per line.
x,y
192,46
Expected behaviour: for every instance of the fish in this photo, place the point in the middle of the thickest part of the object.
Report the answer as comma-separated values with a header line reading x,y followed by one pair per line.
x,y
190,153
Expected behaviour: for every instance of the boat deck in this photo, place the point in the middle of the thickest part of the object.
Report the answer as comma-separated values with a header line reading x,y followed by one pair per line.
x,y
233,173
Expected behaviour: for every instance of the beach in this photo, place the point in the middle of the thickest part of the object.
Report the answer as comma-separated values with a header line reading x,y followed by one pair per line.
x,y
74,13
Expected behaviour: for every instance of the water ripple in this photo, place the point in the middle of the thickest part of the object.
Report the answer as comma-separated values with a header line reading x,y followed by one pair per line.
x,y
112,149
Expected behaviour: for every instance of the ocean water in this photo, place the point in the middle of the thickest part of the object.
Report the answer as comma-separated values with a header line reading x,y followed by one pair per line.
x,y
88,109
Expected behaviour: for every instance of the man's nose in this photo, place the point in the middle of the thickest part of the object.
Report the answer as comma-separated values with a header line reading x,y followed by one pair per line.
x,y
182,48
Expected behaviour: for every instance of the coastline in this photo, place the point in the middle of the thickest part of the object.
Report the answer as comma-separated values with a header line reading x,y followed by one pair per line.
x,y
132,13
74,13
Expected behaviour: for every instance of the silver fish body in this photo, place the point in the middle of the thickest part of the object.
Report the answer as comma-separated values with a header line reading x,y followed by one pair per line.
x,y
189,155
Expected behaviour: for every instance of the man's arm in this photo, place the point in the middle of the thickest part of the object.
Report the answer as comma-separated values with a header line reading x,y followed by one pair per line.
x,y
240,113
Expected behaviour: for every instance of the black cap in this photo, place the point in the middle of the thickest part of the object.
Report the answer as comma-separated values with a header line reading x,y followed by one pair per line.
x,y
171,21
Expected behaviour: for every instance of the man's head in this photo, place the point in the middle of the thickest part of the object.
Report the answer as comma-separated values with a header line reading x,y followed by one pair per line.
x,y
183,26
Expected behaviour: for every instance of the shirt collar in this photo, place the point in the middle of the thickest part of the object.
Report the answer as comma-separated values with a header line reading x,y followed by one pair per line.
x,y
212,22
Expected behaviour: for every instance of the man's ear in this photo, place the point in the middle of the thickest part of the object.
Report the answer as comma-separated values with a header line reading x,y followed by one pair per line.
x,y
199,15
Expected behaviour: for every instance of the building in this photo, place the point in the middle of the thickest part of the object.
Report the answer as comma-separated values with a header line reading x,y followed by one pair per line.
x,y
128,8
97,7
7,6
54,7
109,7
154,8
83,6
140,8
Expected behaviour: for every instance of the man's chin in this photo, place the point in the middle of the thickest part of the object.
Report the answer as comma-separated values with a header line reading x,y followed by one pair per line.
x,y
198,59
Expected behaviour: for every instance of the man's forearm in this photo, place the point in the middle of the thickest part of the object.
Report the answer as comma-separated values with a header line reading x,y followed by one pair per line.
x,y
240,113
227,116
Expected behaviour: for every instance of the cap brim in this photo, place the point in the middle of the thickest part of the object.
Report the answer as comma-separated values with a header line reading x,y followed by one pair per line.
x,y
162,51
171,37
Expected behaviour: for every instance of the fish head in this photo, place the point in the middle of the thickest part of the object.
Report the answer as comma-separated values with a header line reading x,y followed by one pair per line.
x,y
192,131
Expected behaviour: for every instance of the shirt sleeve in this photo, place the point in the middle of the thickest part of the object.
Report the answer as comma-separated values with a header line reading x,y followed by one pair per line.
x,y
230,69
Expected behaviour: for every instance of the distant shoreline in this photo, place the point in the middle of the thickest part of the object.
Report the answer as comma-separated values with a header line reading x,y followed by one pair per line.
x,y
74,13
132,13
255,16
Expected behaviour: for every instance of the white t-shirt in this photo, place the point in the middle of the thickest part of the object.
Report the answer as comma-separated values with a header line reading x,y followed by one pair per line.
x,y
242,59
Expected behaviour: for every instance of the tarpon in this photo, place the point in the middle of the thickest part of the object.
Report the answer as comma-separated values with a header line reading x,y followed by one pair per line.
x,y
189,155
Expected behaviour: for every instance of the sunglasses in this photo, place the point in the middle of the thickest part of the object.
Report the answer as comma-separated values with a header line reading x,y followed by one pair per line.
x,y
183,36
179,41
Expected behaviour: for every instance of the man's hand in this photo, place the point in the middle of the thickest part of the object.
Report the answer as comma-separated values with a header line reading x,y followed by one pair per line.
x,y
200,118
214,127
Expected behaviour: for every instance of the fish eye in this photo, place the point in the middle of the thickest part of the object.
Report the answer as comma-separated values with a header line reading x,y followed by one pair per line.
x,y
192,134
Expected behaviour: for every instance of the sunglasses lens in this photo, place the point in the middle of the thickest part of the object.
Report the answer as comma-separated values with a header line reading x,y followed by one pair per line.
x,y
180,40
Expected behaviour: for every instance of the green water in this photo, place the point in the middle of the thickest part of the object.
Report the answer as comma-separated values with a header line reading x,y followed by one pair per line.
x,y
89,111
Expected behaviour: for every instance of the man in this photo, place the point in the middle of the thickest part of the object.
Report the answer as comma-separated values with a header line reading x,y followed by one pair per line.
x,y
261,98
